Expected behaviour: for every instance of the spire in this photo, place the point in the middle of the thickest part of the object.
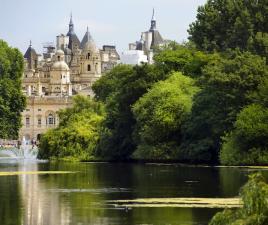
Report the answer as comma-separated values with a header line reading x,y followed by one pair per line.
x,y
88,34
153,17
30,43
71,18
71,25
153,21
73,39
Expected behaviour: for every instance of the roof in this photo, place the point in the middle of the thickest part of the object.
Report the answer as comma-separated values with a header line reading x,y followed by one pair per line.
x,y
87,38
73,39
60,65
30,53
156,38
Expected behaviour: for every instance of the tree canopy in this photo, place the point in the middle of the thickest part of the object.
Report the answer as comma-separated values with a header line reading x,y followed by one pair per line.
x,y
160,114
227,83
120,89
12,100
224,24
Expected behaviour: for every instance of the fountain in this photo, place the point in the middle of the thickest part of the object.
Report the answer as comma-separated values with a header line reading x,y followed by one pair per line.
x,y
25,151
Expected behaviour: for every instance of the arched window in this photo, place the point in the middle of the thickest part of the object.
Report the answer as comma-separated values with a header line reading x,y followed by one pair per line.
x,y
88,55
50,119
88,67
58,58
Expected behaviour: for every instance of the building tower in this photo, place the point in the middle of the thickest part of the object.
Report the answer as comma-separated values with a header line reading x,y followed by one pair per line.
x,y
74,42
60,84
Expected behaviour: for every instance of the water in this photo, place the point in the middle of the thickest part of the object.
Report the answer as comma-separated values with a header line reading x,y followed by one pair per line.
x,y
80,198
25,151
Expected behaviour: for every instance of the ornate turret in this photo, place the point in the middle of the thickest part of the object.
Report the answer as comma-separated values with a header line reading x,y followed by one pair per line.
x,y
156,36
88,42
73,39
31,56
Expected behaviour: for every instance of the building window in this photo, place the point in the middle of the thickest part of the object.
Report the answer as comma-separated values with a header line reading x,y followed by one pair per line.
x,y
58,58
27,110
88,55
27,122
88,67
39,110
39,122
50,120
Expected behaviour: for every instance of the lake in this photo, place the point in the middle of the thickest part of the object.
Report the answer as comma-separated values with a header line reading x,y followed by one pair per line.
x,y
83,197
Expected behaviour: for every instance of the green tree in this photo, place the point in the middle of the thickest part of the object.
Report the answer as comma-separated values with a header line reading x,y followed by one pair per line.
x,y
160,114
184,58
120,89
110,82
78,133
227,85
255,206
248,142
12,100
223,24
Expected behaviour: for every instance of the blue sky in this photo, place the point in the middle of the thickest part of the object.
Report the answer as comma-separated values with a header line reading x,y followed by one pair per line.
x,y
116,22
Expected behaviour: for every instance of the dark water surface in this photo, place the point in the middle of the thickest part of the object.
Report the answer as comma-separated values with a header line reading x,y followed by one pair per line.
x,y
80,198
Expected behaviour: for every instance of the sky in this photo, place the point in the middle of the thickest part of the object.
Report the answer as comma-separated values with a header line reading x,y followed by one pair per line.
x,y
110,22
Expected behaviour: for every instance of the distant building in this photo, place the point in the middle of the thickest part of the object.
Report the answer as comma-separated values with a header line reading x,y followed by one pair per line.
x,y
50,80
143,50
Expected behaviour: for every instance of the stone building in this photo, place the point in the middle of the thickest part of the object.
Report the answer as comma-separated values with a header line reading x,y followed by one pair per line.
x,y
50,80
143,50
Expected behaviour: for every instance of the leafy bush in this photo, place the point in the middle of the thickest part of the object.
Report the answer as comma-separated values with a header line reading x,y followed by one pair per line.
x,y
78,133
255,205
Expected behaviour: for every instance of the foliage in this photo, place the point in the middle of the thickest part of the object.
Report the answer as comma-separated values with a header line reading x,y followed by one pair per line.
x,y
228,82
160,114
78,133
224,24
183,58
12,100
120,89
110,82
248,142
255,206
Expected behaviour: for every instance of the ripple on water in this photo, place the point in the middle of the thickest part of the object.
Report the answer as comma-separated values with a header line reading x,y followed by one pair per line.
x,y
90,190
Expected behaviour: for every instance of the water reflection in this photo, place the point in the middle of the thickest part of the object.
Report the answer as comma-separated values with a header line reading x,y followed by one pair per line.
x,y
80,198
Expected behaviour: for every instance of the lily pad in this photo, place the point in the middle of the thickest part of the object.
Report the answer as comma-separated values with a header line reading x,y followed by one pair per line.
x,y
180,202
